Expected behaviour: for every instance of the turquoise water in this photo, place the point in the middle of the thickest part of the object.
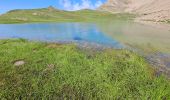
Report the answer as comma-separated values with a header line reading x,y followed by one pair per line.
x,y
116,34
58,32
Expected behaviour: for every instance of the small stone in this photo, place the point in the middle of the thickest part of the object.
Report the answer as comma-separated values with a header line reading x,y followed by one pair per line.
x,y
34,14
19,63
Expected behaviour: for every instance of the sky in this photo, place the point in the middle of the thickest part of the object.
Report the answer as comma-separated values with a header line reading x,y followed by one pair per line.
x,y
71,5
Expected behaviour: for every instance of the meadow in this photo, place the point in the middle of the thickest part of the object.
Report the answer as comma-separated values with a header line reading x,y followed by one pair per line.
x,y
39,70
54,15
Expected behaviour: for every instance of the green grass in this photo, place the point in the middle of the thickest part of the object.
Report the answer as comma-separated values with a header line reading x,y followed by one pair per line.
x,y
168,21
55,71
54,15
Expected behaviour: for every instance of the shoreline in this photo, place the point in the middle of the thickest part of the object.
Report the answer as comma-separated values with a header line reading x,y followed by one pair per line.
x,y
160,25
158,60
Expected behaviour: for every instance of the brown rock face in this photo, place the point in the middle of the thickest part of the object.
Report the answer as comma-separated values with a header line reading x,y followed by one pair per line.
x,y
156,10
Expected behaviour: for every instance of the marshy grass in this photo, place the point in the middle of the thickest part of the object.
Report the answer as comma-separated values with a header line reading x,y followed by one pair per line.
x,y
55,71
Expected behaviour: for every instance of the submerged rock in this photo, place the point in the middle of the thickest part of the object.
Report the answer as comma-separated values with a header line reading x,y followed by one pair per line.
x,y
161,62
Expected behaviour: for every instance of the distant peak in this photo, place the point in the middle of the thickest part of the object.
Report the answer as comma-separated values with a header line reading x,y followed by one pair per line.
x,y
51,8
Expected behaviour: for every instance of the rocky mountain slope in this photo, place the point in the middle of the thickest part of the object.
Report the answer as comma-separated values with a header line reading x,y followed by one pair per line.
x,y
154,10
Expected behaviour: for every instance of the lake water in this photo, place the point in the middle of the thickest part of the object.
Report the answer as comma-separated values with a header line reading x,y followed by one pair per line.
x,y
115,34
59,32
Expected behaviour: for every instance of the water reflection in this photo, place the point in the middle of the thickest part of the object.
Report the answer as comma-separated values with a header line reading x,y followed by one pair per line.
x,y
138,35
54,32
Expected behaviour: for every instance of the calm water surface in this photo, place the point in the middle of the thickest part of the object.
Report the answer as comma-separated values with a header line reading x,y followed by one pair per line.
x,y
59,32
116,34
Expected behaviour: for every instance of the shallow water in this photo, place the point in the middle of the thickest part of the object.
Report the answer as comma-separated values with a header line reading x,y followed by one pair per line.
x,y
145,37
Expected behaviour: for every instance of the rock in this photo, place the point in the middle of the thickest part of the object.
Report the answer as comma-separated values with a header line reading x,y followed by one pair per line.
x,y
51,8
158,10
34,14
19,63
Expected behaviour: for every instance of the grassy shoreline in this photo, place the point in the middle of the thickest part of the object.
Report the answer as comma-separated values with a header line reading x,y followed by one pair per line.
x,y
57,71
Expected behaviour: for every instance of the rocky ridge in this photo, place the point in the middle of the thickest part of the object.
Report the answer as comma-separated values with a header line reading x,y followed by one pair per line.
x,y
148,10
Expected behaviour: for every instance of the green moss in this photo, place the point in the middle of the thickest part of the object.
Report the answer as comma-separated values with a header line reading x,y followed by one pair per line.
x,y
47,15
55,71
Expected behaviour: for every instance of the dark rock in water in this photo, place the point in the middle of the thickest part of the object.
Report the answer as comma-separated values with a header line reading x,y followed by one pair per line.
x,y
168,64
77,38
161,62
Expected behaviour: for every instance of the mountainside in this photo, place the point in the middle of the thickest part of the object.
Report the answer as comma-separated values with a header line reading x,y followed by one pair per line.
x,y
51,14
155,10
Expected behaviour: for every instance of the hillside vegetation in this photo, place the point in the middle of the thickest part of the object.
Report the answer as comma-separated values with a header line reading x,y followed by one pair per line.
x,y
51,14
33,70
